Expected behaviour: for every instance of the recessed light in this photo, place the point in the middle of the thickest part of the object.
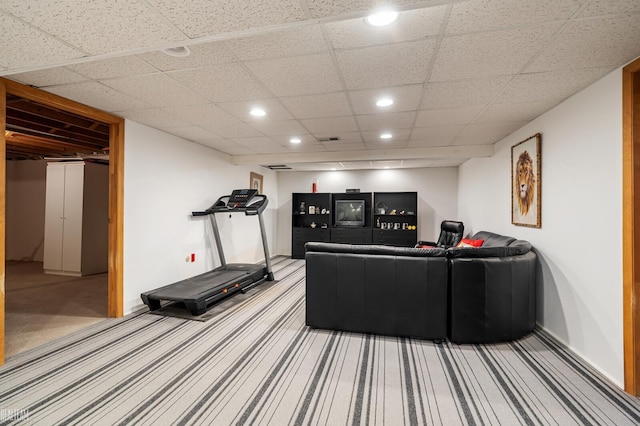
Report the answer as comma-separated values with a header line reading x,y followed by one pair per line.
x,y
295,140
258,112
384,102
381,18
386,136
178,52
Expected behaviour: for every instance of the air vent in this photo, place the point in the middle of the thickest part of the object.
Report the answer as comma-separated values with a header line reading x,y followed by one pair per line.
x,y
278,167
329,139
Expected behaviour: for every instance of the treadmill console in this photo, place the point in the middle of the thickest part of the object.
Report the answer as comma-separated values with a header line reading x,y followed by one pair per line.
x,y
239,198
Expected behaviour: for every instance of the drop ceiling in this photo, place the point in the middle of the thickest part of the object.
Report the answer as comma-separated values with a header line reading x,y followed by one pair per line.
x,y
463,74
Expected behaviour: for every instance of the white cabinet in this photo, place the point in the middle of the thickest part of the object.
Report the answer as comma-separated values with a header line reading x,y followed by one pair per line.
x,y
76,218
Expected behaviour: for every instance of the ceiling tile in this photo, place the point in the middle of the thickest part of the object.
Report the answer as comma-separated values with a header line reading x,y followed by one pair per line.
x,y
261,145
98,96
50,77
525,111
549,86
348,146
306,147
323,8
202,55
330,126
591,43
206,115
448,117
386,121
489,54
236,129
190,132
318,106
145,88
373,143
465,93
405,98
481,15
400,137
608,7
410,25
226,146
113,67
223,83
241,110
85,23
302,75
275,128
24,46
295,41
285,140
154,117
343,138
487,133
386,65
197,18
434,136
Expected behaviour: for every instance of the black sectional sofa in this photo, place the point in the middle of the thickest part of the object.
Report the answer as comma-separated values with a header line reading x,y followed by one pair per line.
x,y
468,295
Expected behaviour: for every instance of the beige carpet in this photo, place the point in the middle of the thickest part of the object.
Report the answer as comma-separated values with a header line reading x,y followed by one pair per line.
x,y
42,307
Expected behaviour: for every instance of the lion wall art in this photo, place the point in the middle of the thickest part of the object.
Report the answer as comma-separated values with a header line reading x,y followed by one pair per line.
x,y
526,182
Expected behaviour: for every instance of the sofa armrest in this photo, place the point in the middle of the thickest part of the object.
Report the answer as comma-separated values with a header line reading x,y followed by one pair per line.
x,y
493,299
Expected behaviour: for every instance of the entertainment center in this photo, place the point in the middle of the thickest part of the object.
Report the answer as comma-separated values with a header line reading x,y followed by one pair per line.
x,y
387,218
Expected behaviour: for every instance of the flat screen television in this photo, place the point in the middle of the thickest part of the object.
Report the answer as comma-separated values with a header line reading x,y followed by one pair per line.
x,y
349,213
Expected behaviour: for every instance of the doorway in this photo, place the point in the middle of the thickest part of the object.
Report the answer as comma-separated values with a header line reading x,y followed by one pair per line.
x,y
115,126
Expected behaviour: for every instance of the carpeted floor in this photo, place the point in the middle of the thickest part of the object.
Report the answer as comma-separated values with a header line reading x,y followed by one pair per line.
x,y
257,363
43,307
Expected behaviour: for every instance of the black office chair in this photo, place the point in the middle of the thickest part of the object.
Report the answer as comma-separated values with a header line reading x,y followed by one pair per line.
x,y
451,232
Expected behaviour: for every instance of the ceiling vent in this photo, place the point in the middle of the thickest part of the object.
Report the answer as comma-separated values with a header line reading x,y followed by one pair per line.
x,y
329,139
278,167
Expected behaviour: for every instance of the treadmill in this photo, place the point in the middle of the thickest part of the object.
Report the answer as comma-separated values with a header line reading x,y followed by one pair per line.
x,y
198,292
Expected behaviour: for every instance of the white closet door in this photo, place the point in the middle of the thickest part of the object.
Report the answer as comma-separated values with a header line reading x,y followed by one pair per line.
x,y
72,232
54,213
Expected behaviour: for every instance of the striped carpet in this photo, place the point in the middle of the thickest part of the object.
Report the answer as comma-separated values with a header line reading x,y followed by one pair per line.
x,y
257,363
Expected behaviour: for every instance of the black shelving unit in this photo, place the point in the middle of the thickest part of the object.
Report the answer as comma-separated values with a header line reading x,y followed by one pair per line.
x,y
395,218
310,220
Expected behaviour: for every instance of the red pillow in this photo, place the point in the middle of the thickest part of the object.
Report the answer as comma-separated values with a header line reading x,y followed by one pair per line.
x,y
470,243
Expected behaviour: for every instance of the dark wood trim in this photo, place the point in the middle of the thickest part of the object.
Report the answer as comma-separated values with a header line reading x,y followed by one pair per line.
x,y
631,224
3,188
116,185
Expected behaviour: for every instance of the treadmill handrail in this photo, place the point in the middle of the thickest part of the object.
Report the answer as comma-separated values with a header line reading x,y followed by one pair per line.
x,y
222,206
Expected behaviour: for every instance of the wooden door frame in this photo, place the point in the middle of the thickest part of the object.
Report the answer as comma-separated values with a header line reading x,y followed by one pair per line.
x,y
631,224
116,189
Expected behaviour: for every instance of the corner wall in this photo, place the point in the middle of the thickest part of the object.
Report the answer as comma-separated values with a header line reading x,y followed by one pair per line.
x,y
580,243
437,190
166,178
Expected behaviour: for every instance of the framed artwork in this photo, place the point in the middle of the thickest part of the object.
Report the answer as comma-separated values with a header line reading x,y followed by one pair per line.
x,y
255,182
526,182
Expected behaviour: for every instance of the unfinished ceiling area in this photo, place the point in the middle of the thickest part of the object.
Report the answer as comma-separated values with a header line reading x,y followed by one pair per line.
x,y
462,74
35,131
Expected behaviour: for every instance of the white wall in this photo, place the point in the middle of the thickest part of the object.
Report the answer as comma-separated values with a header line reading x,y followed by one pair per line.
x,y
25,204
166,178
580,242
437,190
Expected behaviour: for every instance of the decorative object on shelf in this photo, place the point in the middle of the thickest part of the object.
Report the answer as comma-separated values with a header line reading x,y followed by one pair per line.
x,y
377,222
313,224
255,181
381,208
314,185
405,226
324,225
383,225
393,212
525,182
312,210
324,211
302,209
